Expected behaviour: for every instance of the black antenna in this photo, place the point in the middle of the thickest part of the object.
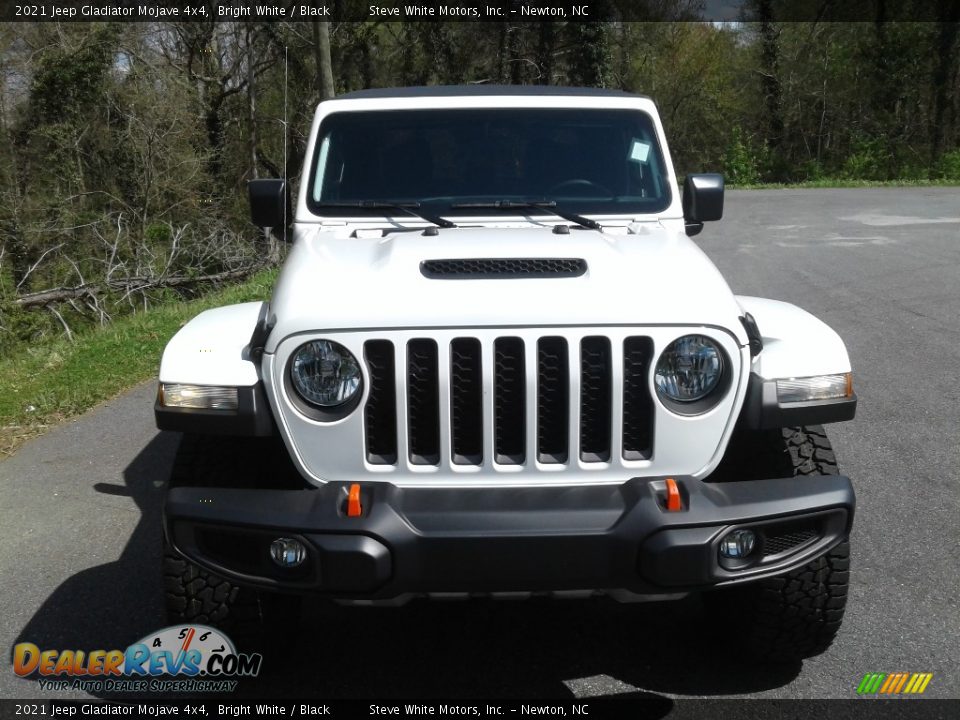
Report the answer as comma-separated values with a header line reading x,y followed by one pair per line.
x,y
286,180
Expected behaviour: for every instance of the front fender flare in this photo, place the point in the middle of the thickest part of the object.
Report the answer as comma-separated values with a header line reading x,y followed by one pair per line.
x,y
218,347
796,344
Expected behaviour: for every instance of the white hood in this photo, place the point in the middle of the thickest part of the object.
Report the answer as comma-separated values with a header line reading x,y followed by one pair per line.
x,y
650,276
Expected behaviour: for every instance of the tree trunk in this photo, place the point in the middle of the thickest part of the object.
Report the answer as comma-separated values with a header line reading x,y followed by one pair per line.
x,y
22,256
770,72
946,92
214,126
545,49
133,284
321,46
590,65
252,106
503,51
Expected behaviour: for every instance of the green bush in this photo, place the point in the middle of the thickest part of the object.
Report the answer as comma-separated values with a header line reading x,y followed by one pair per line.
x,y
742,161
811,170
871,159
158,233
948,167
21,327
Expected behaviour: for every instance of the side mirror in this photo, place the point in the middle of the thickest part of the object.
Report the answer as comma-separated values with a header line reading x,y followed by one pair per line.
x,y
702,200
269,202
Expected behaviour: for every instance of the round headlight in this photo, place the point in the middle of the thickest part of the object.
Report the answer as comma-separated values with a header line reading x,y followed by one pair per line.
x,y
325,373
689,369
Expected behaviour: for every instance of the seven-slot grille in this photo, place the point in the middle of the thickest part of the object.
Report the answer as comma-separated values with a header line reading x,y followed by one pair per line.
x,y
558,391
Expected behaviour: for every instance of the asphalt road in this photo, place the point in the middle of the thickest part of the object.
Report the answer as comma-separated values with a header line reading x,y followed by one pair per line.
x,y
79,507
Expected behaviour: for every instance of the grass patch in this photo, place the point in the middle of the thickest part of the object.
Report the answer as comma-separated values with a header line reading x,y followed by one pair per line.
x,y
47,382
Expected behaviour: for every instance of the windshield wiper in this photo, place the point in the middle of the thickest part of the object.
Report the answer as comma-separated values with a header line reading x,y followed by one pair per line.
x,y
407,207
548,205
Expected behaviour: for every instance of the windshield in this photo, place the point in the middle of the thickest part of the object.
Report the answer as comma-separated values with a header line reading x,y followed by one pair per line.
x,y
588,161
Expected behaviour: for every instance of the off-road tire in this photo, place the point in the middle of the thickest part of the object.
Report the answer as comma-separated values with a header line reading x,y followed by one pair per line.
x,y
797,615
195,595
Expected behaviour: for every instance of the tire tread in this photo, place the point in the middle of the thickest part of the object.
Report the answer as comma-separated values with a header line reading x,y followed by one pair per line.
x,y
195,595
796,615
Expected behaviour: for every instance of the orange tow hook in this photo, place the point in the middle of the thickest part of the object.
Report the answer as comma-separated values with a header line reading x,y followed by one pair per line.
x,y
354,509
674,504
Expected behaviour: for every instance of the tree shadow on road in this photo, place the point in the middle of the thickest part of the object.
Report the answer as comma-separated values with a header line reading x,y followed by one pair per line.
x,y
470,649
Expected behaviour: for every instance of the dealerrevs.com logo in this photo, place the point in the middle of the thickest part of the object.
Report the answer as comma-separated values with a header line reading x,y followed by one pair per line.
x,y
191,658
896,683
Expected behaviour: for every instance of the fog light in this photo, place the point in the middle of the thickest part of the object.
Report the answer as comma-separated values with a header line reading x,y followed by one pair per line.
x,y
287,552
738,544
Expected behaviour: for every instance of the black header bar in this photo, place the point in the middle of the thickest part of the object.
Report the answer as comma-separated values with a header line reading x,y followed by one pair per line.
x,y
635,706
471,10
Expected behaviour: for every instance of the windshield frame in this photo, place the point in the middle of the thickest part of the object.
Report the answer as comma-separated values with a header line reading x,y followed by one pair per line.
x,y
441,205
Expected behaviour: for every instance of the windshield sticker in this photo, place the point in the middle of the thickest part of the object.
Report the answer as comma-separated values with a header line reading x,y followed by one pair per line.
x,y
639,151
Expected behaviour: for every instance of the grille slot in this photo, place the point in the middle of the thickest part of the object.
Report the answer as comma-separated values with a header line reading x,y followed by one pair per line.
x,y
637,402
423,403
380,414
501,268
595,399
787,537
466,401
553,400
508,405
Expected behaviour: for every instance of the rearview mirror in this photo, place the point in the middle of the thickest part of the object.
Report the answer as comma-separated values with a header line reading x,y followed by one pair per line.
x,y
269,202
702,200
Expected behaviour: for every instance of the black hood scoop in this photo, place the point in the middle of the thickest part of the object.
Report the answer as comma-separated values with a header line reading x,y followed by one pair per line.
x,y
503,268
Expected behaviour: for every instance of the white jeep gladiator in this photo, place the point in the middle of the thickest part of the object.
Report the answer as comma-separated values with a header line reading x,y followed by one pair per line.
x,y
495,363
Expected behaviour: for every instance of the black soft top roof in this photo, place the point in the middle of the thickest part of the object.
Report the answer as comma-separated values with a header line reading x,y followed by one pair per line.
x,y
481,90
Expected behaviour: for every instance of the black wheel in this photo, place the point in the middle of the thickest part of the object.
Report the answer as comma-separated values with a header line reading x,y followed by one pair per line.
x,y
797,615
195,595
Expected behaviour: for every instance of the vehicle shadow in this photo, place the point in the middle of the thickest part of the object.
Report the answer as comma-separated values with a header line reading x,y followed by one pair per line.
x,y
112,605
469,649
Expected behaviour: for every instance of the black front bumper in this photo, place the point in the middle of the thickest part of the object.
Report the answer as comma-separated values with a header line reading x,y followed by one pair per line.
x,y
411,541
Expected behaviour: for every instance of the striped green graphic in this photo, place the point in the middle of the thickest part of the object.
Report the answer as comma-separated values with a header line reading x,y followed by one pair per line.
x,y
894,683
